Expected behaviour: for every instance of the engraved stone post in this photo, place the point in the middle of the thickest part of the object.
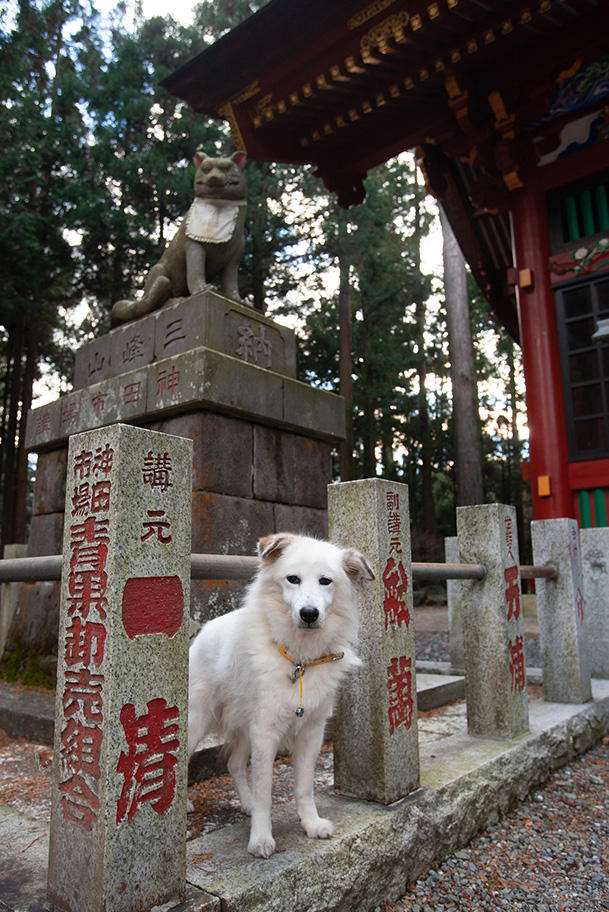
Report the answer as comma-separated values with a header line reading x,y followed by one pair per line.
x,y
454,597
118,817
560,609
376,751
9,595
495,674
595,563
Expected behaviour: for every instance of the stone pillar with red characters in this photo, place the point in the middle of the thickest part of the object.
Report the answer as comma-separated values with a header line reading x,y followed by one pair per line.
x,y
376,749
118,818
562,612
493,631
595,565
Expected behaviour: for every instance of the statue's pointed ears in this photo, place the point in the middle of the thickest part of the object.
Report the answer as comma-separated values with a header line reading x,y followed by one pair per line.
x,y
239,158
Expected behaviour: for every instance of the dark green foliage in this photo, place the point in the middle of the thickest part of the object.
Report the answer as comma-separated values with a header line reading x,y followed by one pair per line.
x,y
96,172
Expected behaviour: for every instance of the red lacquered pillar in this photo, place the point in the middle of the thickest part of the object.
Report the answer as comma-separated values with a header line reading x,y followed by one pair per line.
x,y
541,360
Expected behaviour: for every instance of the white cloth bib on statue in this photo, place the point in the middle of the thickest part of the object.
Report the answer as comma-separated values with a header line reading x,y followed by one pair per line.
x,y
212,222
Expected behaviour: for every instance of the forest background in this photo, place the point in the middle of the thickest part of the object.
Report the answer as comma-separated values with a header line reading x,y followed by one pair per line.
x,y
96,171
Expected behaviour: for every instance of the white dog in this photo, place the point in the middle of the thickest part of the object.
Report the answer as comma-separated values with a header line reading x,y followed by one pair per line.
x,y
266,676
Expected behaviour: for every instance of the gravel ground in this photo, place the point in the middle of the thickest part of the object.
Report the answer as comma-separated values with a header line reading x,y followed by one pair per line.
x,y
433,647
551,854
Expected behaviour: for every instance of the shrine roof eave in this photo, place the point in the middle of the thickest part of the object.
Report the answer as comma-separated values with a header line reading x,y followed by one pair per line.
x,y
265,39
343,86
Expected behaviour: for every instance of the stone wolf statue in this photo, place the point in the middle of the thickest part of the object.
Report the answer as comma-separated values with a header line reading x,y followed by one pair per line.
x,y
208,244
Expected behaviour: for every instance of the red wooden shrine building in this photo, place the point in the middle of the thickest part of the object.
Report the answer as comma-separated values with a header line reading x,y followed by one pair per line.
x,y
507,102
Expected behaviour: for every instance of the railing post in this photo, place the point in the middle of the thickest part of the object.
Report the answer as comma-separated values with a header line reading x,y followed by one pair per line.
x,y
495,674
118,805
560,610
9,595
454,598
376,750
595,564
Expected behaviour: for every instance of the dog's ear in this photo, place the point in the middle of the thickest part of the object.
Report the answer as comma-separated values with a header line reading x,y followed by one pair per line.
x,y
271,546
356,566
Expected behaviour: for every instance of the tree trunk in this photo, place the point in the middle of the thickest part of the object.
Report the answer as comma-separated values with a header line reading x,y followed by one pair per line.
x,y
345,354
9,461
428,517
369,422
468,444
21,457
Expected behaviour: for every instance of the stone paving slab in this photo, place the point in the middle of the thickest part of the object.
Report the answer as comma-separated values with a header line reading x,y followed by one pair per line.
x,y
467,783
434,690
27,713
465,787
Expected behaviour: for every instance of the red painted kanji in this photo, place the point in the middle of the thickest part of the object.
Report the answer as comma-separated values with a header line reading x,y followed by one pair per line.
x,y
84,643
517,667
395,583
102,461
79,803
82,464
132,392
394,522
81,499
94,498
83,690
81,748
85,639
509,536
98,401
512,592
399,685
167,381
69,413
156,470
148,767
42,423
155,525
88,579
579,604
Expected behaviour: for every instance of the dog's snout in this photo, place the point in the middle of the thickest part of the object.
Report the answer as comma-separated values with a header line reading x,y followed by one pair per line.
x,y
309,615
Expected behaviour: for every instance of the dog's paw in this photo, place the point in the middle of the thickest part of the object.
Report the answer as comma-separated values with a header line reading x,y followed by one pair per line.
x,y
320,828
261,847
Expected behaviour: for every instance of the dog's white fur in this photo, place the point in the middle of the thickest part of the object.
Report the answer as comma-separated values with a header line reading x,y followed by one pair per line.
x,y
241,686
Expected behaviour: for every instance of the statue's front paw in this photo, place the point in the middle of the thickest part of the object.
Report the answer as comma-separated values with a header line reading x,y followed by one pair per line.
x,y
122,312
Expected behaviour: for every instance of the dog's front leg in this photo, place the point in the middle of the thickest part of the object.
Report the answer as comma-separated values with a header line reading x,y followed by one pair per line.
x,y
306,750
261,841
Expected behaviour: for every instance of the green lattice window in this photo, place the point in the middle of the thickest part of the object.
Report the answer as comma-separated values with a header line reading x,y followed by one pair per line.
x,y
579,211
580,307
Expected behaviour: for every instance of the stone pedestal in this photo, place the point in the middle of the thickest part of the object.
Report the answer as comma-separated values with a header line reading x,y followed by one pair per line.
x,y
595,563
224,376
376,749
561,612
118,813
493,633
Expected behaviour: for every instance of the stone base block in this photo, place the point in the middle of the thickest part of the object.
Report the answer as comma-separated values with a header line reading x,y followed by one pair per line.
x,y
36,619
50,488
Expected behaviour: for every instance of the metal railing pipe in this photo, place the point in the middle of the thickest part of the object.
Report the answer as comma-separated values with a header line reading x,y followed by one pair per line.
x,y
222,566
243,566
430,571
30,569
